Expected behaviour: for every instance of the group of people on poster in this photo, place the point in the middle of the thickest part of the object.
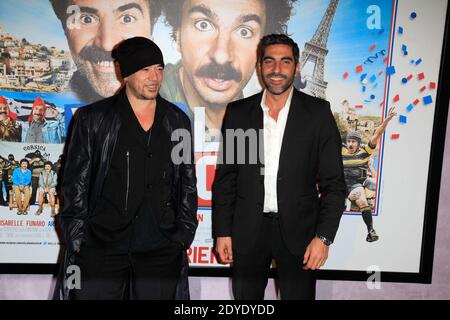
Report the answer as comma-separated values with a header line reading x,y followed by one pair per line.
x,y
28,181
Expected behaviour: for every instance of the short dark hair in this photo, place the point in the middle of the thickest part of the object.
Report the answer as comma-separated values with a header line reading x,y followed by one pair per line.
x,y
48,163
24,160
278,13
60,9
277,39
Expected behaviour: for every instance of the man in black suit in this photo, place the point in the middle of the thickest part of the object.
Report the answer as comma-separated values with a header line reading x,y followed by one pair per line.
x,y
270,208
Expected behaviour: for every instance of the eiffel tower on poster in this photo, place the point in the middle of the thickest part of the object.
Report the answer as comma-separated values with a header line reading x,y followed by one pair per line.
x,y
312,61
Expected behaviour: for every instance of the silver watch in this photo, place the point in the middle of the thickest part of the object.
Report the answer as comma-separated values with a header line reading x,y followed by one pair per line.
x,y
324,240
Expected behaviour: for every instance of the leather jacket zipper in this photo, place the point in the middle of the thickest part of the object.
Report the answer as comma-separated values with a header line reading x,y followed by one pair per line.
x,y
128,181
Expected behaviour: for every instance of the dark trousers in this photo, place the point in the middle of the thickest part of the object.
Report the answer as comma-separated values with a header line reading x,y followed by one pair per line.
x,y
34,188
251,270
150,275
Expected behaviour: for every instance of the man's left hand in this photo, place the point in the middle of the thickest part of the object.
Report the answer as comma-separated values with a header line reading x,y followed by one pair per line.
x,y
316,255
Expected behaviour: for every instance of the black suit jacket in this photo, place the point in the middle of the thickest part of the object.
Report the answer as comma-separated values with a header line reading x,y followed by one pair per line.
x,y
310,156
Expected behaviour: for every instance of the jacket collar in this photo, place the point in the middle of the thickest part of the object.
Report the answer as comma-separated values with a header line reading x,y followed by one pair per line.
x,y
125,110
291,129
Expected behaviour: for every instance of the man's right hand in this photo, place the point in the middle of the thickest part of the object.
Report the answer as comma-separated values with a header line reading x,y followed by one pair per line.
x,y
224,249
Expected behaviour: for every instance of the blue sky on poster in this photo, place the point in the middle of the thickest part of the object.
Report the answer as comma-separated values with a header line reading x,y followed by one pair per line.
x,y
33,20
348,43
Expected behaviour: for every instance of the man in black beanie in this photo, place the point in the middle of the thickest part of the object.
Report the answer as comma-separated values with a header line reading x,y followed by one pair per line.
x,y
129,206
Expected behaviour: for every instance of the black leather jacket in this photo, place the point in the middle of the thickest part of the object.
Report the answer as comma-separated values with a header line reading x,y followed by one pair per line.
x,y
91,146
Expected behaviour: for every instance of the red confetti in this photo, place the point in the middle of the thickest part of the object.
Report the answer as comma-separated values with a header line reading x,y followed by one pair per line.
x,y
423,88
432,85
345,75
372,47
416,102
385,60
410,77
359,68
359,106
395,136
380,73
396,98
421,76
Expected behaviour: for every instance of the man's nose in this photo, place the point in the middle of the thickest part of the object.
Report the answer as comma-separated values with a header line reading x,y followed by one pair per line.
x,y
277,66
153,74
222,50
107,36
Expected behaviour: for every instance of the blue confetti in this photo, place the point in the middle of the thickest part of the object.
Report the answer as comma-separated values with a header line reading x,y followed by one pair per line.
x,y
372,96
381,31
413,15
363,76
375,85
364,89
400,30
418,61
427,100
403,119
404,48
410,107
404,80
373,78
390,70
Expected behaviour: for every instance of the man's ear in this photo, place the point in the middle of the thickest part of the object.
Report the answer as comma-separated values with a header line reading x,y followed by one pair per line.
x,y
297,69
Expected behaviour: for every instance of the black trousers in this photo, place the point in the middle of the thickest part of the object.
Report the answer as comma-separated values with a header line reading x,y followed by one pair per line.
x,y
251,270
34,188
150,275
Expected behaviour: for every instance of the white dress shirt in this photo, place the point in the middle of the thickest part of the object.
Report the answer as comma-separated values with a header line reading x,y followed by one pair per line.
x,y
273,138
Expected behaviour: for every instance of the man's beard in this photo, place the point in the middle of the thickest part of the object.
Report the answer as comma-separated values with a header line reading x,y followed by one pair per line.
x,y
283,88
105,84
38,118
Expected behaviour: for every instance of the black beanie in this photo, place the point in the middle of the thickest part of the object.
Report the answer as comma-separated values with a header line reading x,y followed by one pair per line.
x,y
136,53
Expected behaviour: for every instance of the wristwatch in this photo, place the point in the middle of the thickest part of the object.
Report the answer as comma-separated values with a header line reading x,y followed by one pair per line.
x,y
324,240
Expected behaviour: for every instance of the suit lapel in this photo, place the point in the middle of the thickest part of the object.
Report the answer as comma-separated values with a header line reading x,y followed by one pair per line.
x,y
292,129
257,123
